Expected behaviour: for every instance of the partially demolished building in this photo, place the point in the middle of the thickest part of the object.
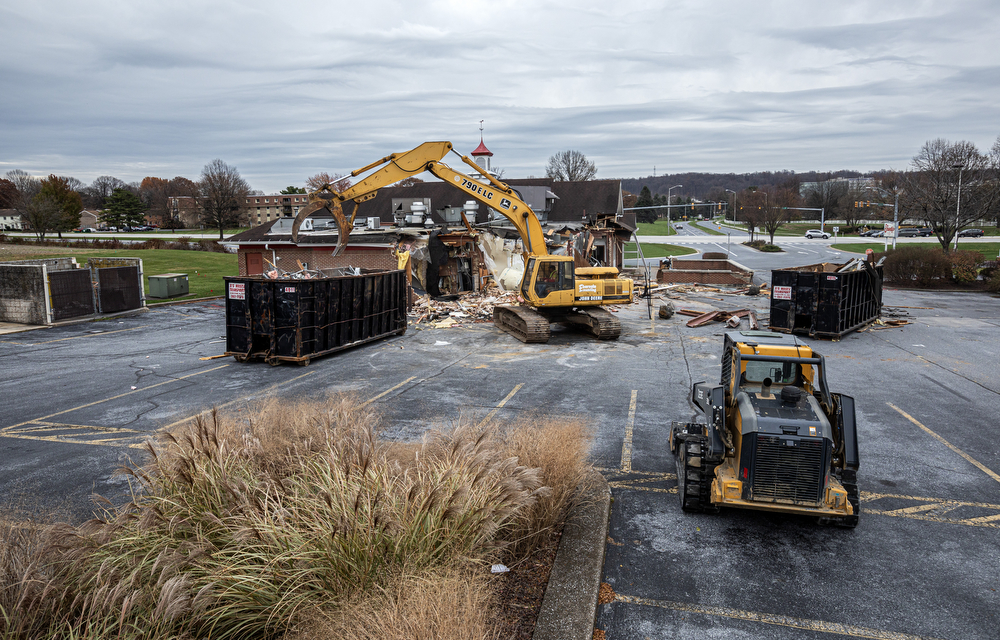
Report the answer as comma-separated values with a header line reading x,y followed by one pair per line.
x,y
447,244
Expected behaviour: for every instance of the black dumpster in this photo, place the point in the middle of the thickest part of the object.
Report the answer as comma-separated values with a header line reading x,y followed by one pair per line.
x,y
296,320
825,300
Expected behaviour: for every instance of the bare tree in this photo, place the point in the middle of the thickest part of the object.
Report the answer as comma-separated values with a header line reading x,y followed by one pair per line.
x,y
779,209
223,195
570,166
750,210
43,213
932,187
338,182
100,189
26,187
8,194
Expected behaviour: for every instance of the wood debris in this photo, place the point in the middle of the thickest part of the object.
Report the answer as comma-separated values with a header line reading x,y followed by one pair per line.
x,y
470,306
732,318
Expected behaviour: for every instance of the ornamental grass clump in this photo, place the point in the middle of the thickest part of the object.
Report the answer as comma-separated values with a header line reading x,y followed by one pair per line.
x,y
279,515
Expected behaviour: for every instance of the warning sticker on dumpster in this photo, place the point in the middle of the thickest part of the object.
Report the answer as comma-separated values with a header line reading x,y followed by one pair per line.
x,y
237,291
289,289
831,277
782,293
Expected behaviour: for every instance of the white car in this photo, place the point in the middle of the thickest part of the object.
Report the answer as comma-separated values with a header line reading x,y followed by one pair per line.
x,y
816,233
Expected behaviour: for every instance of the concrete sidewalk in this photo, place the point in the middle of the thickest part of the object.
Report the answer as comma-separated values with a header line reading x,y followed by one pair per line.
x,y
569,607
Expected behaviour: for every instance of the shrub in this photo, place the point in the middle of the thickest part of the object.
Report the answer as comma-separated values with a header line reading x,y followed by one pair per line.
x,y
211,245
993,284
771,248
916,265
965,266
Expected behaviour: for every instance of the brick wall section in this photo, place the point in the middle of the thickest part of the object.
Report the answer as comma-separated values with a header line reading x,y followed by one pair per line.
x,y
714,265
700,277
22,294
722,272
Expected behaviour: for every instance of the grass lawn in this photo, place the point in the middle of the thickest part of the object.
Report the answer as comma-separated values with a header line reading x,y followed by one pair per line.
x,y
988,249
205,269
658,228
652,250
709,227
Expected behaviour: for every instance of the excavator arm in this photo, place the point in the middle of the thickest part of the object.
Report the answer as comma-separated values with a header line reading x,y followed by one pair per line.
x,y
426,157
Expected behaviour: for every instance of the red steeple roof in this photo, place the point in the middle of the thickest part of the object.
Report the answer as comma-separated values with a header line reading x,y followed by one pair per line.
x,y
481,150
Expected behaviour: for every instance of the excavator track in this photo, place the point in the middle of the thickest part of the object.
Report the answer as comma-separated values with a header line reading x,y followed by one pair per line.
x,y
523,323
600,323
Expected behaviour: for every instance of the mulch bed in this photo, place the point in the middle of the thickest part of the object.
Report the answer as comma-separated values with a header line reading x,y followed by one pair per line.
x,y
518,596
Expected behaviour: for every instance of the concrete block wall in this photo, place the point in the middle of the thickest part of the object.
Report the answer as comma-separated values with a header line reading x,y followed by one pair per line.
x,y
22,294
53,264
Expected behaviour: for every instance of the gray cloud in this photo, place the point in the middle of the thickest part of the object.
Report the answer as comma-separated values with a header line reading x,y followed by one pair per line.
x,y
285,90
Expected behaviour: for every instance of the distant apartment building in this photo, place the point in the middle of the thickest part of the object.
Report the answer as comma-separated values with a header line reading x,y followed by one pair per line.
x,y
264,208
186,210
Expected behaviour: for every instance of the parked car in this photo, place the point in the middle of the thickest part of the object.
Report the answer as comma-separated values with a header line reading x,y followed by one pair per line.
x,y
876,234
869,233
971,233
816,233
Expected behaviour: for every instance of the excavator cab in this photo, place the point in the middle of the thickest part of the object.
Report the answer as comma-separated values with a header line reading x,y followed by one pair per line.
x,y
549,280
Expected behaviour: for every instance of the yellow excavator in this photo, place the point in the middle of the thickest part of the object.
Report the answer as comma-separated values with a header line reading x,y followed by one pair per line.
x,y
552,290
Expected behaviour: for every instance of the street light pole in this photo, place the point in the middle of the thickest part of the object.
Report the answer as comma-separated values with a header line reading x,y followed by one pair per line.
x,y
958,202
676,186
734,203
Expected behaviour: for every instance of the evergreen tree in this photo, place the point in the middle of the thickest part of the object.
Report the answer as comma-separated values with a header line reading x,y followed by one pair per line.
x,y
124,209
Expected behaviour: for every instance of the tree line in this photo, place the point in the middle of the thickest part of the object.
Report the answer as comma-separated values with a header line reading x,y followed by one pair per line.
x,y
54,204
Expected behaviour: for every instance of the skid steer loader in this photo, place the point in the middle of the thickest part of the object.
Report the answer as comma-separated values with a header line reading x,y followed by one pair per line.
x,y
773,438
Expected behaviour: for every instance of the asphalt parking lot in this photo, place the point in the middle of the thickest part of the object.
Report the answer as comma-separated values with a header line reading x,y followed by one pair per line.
x,y
79,400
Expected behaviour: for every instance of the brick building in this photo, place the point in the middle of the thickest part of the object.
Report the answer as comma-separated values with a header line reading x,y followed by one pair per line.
x,y
265,208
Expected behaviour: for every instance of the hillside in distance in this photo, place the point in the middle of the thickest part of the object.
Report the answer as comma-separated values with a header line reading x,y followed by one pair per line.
x,y
702,186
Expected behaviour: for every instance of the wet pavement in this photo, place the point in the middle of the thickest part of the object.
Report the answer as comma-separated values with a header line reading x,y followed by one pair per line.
x,y
922,563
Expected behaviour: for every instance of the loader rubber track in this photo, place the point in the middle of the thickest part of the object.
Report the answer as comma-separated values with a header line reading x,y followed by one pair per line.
x,y
694,473
523,323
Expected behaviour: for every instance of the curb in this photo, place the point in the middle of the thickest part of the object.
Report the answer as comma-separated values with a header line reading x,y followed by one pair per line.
x,y
569,606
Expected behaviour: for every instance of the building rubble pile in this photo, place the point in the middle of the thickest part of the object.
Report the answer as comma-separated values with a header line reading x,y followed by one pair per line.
x,y
450,311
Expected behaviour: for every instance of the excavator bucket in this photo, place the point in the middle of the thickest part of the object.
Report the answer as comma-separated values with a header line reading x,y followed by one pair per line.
x,y
317,203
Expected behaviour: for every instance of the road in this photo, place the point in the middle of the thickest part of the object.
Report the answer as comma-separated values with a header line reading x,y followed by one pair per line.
x,y
922,563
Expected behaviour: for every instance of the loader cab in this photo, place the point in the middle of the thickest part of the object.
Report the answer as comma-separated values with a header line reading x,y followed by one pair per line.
x,y
549,280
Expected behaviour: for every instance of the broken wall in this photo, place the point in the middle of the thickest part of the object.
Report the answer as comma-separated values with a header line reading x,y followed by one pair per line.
x,y
503,260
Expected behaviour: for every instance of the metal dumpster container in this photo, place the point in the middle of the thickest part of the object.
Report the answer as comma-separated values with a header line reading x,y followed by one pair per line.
x,y
296,320
825,300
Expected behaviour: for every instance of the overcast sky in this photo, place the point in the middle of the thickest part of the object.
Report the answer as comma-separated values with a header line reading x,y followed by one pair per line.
x,y
283,90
